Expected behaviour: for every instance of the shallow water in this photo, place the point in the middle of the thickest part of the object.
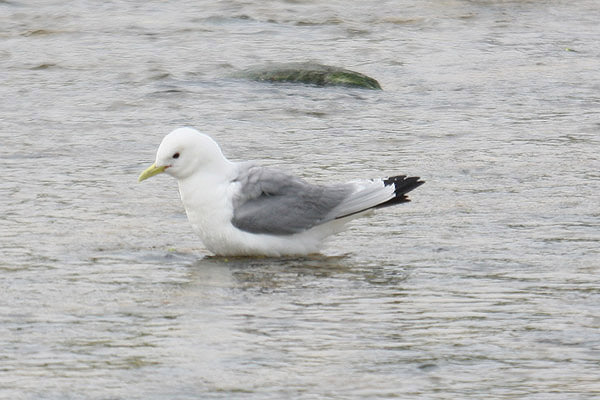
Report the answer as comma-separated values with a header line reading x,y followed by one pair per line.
x,y
484,286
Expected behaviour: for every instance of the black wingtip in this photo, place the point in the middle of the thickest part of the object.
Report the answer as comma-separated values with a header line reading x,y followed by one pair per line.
x,y
402,185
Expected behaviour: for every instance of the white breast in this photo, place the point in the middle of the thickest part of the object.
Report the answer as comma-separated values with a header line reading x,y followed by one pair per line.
x,y
208,207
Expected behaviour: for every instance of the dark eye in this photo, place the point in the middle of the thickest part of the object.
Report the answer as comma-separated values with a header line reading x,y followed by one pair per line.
x,y
176,155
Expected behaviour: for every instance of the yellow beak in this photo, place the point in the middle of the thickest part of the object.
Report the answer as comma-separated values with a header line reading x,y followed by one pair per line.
x,y
151,171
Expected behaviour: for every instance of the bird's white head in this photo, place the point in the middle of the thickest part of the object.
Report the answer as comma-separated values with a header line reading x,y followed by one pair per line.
x,y
184,152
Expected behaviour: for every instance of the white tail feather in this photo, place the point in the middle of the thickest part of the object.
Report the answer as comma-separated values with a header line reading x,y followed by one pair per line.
x,y
367,194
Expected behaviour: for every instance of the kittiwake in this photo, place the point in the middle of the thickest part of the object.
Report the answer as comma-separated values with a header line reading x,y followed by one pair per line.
x,y
244,209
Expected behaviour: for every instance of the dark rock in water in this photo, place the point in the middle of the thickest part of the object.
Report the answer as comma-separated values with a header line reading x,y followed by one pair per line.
x,y
309,73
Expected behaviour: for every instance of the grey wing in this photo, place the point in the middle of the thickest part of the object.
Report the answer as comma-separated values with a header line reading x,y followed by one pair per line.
x,y
272,202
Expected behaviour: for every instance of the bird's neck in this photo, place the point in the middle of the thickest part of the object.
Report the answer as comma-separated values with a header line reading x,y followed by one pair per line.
x,y
199,187
206,201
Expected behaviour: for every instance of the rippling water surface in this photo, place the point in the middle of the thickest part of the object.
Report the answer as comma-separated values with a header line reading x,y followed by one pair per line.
x,y
485,286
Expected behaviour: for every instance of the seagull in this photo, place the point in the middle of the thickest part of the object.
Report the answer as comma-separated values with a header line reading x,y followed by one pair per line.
x,y
244,209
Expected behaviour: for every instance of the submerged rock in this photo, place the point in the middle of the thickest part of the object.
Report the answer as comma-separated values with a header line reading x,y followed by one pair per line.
x,y
310,73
